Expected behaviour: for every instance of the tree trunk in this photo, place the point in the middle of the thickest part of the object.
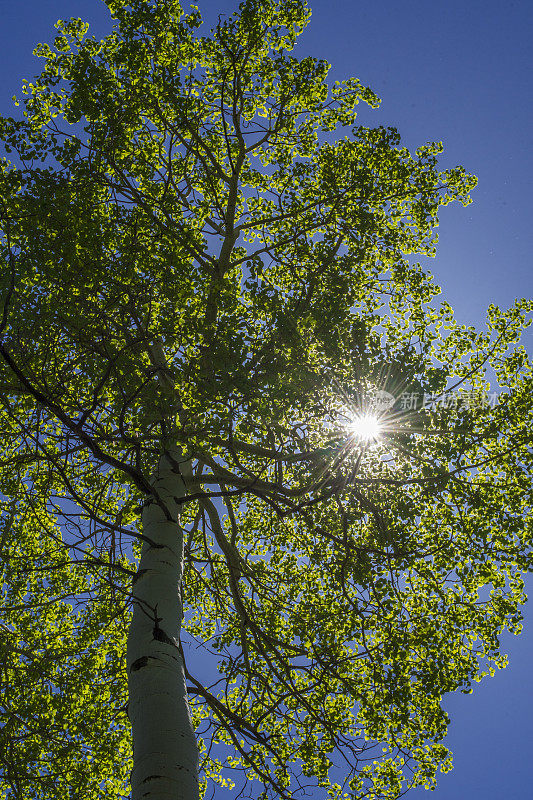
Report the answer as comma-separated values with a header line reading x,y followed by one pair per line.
x,y
165,755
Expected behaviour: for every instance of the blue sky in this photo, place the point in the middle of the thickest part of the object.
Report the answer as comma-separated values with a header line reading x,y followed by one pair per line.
x,y
457,72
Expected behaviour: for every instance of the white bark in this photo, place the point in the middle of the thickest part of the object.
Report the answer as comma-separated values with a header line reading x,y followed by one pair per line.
x,y
165,755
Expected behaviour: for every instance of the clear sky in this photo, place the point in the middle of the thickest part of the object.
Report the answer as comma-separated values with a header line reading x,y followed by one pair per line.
x,y
459,72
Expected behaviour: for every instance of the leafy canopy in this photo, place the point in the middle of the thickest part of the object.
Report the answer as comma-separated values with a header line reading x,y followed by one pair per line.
x,y
201,247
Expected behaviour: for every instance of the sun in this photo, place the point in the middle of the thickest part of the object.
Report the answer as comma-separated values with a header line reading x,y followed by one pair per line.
x,y
365,427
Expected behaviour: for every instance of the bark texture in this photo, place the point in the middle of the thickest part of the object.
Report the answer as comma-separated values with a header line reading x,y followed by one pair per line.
x,y
165,755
